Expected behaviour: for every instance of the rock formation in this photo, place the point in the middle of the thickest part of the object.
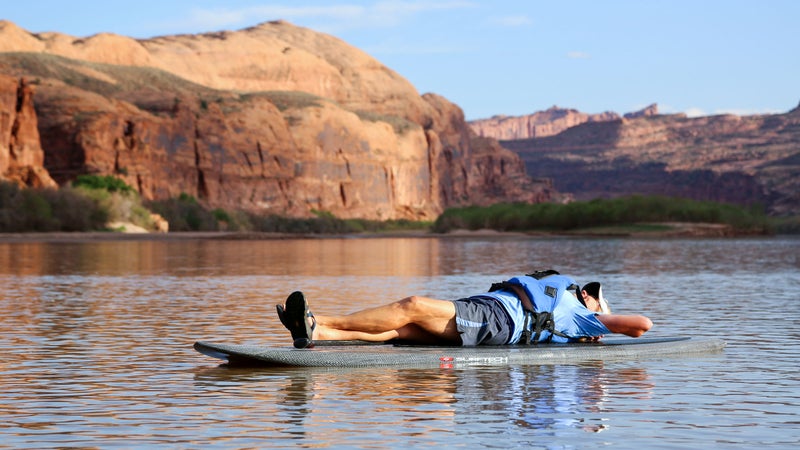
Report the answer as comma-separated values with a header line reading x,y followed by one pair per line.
x,y
21,154
651,110
748,160
271,119
536,125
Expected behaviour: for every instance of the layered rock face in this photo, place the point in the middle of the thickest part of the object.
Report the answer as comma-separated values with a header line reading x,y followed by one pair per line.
x,y
738,159
21,154
539,124
545,123
271,119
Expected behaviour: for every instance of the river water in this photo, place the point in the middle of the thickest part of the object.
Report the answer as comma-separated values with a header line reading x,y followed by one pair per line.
x,y
96,342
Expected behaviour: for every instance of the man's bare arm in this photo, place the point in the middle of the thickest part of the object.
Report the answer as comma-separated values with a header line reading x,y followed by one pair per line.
x,y
633,326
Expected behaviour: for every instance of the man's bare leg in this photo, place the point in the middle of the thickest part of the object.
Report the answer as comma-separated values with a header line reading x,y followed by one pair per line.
x,y
413,318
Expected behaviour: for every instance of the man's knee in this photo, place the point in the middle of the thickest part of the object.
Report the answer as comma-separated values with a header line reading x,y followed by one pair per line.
x,y
417,306
411,304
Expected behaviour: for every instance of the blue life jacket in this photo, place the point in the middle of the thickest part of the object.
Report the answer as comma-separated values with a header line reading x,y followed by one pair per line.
x,y
539,292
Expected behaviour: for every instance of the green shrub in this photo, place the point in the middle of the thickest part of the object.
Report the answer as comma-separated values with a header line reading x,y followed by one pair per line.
x,y
399,124
38,210
232,221
326,223
284,100
184,213
74,211
108,183
786,225
119,201
221,215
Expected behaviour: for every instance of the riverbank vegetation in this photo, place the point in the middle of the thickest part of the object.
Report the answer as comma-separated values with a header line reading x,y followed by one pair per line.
x,y
38,210
628,213
95,203
185,213
92,203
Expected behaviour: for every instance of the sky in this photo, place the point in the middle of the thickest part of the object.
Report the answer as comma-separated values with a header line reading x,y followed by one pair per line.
x,y
495,57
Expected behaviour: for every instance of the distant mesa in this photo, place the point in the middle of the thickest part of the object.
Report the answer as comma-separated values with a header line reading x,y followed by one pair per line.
x,y
746,160
648,111
546,123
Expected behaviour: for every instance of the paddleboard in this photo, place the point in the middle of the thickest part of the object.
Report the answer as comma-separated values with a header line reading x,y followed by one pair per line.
x,y
362,354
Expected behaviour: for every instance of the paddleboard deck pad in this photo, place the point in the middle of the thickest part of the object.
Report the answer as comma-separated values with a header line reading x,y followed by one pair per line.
x,y
360,354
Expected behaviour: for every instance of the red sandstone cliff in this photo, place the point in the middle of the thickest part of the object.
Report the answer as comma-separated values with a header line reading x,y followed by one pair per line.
x,y
272,119
21,155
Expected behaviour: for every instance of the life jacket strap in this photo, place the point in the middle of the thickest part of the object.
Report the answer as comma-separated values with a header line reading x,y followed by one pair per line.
x,y
535,322
539,274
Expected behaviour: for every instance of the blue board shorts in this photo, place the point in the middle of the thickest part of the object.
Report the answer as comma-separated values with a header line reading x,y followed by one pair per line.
x,y
482,321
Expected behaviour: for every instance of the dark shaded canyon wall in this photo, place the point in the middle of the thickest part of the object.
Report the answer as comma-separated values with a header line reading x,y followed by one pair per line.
x,y
747,160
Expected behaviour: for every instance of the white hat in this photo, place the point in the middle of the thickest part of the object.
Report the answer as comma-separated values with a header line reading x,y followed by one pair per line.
x,y
595,289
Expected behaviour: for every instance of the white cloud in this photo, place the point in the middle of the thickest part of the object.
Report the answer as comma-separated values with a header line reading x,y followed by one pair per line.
x,y
392,48
511,21
695,112
404,7
747,112
578,55
211,19
337,16
700,112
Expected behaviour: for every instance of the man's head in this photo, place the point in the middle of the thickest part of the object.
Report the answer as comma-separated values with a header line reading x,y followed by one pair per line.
x,y
592,297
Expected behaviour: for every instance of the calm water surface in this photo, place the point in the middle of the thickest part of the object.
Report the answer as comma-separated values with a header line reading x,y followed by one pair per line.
x,y
96,341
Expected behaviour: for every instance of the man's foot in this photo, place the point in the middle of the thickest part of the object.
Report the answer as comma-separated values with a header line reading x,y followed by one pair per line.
x,y
295,317
281,315
303,343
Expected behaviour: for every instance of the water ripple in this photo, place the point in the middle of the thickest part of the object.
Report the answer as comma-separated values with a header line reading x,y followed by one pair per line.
x,y
97,350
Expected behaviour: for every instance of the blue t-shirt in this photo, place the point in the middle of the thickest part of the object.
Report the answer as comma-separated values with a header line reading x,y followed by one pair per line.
x,y
569,315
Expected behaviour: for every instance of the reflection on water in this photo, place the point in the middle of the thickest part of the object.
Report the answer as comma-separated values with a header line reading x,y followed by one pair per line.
x,y
331,257
415,406
96,339
394,257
